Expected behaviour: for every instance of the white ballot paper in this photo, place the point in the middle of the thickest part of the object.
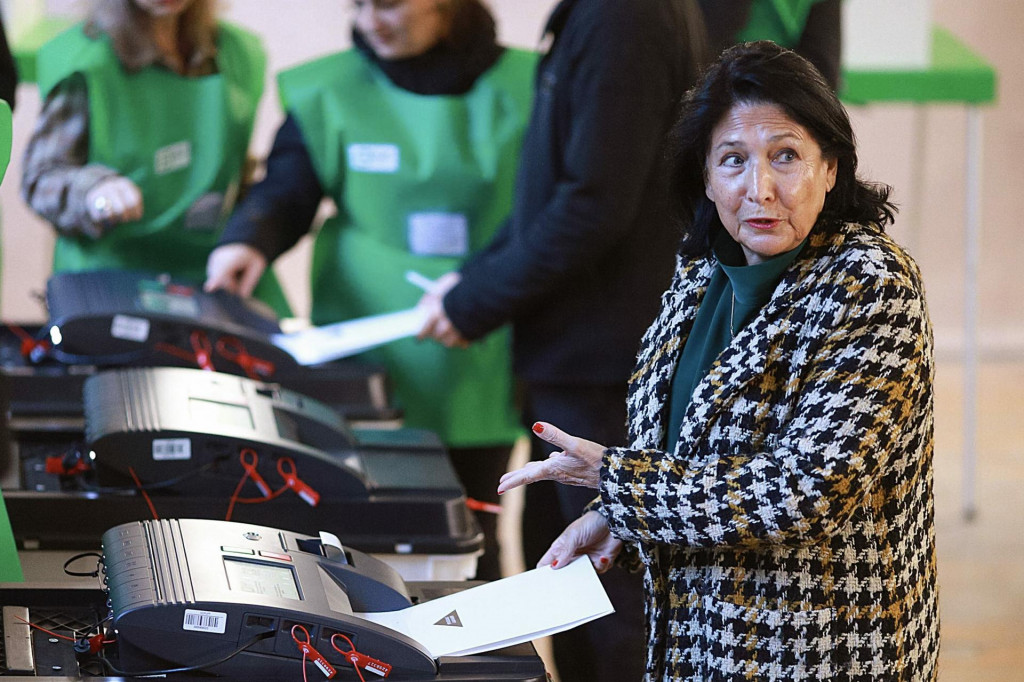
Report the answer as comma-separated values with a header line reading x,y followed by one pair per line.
x,y
330,342
522,607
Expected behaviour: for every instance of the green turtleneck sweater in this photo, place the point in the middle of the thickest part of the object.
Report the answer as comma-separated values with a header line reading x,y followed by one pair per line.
x,y
735,295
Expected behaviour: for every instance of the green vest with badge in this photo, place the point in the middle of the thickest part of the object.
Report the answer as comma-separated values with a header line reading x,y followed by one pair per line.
x,y
182,140
420,183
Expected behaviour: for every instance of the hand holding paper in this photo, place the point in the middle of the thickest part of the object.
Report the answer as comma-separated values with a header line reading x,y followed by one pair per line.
x,y
437,325
587,536
342,339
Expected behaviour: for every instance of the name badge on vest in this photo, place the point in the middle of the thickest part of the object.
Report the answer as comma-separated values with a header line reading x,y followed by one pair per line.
x,y
373,158
438,234
172,157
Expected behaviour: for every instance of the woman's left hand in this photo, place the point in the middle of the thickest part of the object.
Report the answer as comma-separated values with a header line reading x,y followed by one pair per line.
x,y
579,462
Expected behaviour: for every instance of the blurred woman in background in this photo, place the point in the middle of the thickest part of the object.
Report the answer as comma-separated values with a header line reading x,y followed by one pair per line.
x,y
140,149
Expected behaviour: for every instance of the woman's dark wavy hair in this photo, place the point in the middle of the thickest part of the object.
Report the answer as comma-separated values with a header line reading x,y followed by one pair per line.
x,y
763,72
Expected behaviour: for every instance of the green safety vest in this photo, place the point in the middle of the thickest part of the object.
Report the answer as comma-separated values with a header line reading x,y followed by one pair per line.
x,y
781,21
420,182
182,140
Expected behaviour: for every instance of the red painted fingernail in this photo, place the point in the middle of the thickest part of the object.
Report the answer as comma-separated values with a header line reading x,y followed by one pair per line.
x,y
538,428
554,563
501,492
604,560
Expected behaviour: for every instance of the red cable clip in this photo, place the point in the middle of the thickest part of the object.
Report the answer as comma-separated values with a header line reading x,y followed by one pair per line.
x,y
359,660
233,350
250,469
286,467
307,650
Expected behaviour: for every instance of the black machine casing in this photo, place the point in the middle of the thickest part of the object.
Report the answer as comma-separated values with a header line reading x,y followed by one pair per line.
x,y
119,317
189,591
74,608
183,433
170,422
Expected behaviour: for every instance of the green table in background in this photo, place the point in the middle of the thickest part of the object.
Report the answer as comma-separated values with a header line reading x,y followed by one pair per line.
x,y
955,75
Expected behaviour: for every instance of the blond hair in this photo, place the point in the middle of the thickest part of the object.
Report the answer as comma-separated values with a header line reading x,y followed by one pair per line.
x,y
130,32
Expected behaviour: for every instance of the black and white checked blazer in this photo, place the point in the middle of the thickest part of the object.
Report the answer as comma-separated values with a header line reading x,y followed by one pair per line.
x,y
790,535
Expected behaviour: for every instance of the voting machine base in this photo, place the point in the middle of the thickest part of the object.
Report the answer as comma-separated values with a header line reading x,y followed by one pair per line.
x,y
27,654
48,511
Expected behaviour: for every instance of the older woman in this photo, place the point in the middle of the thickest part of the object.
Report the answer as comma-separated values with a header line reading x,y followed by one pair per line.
x,y
141,144
415,135
778,488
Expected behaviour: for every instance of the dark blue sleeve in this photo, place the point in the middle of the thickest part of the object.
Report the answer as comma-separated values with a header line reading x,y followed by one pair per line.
x,y
279,209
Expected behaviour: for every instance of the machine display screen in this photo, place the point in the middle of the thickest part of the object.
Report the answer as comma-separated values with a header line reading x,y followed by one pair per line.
x,y
261,578
217,414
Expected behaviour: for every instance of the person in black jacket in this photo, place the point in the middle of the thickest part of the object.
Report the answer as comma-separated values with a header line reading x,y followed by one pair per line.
x,y
579,267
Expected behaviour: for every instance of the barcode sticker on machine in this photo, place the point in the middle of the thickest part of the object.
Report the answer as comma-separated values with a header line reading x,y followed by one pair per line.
x,y
172,448
205,621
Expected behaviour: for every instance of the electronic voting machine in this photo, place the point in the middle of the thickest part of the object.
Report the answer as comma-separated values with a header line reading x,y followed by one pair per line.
x,y
240,600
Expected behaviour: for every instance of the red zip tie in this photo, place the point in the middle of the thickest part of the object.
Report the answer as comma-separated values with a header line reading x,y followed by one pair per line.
x,y
233,350
286,467
307,650
250,472
201,354
477,505
31,347
202,348
58,465
359,660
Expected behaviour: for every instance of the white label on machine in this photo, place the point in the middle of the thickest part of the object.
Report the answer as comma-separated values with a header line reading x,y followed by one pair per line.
x,y
131,328
205,621
171,448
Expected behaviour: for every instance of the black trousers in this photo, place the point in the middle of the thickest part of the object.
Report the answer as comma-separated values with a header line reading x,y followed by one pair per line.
x,y
612,648
479,470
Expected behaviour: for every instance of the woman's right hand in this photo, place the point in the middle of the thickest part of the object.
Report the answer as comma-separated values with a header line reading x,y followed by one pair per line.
x,y
114,200
588,535
235,267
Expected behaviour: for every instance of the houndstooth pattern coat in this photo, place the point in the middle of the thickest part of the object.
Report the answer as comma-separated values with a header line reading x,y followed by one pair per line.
x,y
790,535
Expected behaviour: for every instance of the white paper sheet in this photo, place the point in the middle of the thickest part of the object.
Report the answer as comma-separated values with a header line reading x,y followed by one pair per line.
x,y
330,342
533,604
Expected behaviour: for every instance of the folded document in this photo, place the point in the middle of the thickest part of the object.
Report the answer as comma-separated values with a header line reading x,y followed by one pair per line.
x,y
517,609
330,342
